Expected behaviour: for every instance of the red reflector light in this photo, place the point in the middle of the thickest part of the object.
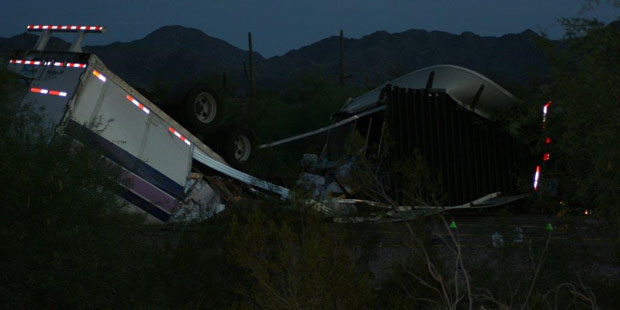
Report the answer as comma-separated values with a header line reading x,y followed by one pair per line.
x,y
48,92
176,133
547,140
546,157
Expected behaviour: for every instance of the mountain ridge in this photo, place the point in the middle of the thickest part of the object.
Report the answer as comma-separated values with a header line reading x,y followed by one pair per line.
x,y
178,53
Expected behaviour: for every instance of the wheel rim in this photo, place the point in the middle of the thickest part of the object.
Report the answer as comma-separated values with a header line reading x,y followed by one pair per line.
x,y
205,107
241,148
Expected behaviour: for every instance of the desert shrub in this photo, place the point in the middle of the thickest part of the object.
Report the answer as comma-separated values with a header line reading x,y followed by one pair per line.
x,y
307,103
66,243
296,263
582,120
587,100
192,271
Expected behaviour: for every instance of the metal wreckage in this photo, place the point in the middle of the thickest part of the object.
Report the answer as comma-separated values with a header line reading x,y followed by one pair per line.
x,y
444,114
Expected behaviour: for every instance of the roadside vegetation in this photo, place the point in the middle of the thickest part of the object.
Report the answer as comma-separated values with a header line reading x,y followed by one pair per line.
x,y
67,243
582,123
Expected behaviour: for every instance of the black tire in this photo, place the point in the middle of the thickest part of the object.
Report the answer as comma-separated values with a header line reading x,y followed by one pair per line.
x,y
238,146
202,110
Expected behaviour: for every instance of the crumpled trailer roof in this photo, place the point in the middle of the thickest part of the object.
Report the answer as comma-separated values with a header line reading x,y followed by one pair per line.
x,y
463,85
460,83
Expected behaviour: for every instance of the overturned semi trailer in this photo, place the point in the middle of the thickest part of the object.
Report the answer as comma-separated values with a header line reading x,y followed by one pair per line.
x,y
449,114
171,175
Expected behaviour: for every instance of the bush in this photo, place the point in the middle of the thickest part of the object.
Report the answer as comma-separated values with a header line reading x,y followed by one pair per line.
x,y
307,104
65,241
296,264
583,117
586,96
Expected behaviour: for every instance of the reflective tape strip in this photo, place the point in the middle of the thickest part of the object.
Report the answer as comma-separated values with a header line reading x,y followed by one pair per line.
x,y
48,92
176,133
536,176
25,62
47,63
99,76
545,110
65,28
75,65
546,107
137,103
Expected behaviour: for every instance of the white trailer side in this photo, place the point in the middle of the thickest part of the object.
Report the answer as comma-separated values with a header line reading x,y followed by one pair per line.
x,y
154,152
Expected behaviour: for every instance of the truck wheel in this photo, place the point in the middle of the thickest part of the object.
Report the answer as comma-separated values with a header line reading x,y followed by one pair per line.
x,y
202,109
238,147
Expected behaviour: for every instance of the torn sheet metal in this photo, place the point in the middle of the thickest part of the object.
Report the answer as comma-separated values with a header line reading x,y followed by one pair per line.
x,y
460,83
201,203
403,213
323,129
238,175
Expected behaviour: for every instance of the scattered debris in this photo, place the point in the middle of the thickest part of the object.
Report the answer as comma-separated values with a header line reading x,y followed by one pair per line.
x,y
518,235
497,239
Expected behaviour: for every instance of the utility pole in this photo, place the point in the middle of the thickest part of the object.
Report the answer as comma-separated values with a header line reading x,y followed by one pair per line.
x,y
251,69
342,77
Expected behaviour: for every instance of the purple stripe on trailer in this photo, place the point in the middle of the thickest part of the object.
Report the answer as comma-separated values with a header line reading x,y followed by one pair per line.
x,y
150,192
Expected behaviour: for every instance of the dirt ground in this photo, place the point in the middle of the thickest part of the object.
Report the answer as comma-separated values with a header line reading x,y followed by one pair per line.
x,y
583,243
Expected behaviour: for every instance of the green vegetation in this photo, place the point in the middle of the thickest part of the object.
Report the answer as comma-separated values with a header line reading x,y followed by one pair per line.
x,y
583,117
308,105
297,264
584,86
66,241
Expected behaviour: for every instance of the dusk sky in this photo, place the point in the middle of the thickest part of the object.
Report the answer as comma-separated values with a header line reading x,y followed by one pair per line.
x,y
279,25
